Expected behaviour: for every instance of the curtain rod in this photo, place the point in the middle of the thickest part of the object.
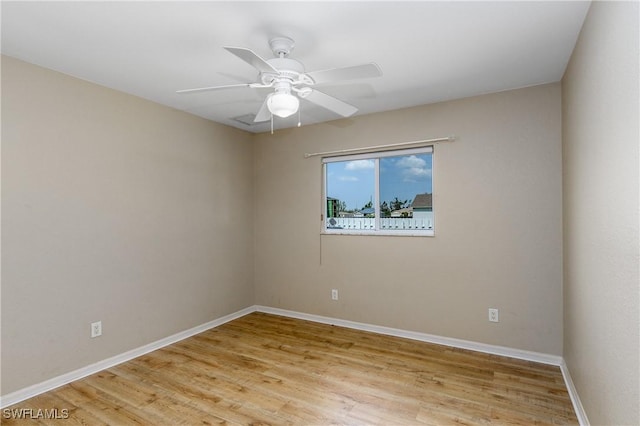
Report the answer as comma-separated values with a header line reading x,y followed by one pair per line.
x,y
373,148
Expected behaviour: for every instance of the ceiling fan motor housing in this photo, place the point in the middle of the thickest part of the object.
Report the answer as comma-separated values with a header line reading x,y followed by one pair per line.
x,y
287,68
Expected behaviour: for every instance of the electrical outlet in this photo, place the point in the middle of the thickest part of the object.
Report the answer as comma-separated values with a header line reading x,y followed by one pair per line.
x,y
494,315
334,294
96,329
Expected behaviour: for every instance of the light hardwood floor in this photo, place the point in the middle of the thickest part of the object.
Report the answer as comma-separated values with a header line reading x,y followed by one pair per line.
x,y
265,369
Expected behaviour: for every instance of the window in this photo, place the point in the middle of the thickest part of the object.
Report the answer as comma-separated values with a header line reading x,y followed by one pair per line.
x,y
389,193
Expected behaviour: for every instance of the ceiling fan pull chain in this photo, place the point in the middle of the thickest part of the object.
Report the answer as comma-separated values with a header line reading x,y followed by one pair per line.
x,y
299,122
271,123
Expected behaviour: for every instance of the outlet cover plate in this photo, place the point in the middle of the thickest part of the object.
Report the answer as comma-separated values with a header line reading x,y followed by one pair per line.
x,y
96,329
494,315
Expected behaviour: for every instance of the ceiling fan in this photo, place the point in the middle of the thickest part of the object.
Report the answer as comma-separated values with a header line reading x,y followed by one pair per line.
x,y
289,81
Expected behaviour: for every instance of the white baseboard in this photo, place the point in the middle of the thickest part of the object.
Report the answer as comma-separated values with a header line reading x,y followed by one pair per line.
x,y
31,391
423,337
573,393
55,382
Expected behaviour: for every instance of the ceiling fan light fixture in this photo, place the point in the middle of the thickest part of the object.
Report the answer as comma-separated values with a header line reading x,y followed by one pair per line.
x,y
283,104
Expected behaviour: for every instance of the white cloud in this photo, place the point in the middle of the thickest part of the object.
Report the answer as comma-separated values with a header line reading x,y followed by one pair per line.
x,y
411,162
413,168
417,172
359,165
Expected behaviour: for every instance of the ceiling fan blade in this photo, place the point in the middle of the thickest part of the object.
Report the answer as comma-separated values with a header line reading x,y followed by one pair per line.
x,y
204,89
331,103
347,73
263,114
252,59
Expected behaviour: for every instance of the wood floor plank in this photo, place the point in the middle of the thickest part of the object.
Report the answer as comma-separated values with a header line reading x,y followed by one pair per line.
x,y
265,369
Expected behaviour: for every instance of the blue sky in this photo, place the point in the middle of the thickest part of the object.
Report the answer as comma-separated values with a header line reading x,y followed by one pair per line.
x,y
402,177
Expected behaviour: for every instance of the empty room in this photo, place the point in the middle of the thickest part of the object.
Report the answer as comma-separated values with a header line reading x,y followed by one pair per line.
x,y
320,213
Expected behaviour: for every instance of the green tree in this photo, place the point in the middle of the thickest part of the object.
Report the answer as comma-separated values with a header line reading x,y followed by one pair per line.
x,y
385,211
397,204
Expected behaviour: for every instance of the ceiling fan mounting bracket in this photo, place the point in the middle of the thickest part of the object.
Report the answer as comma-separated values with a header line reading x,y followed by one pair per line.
x,y
268,79
303,92
281,46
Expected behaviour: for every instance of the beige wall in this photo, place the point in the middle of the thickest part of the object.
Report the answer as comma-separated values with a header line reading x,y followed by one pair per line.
x,y
601,213
155,221
498,213
113,209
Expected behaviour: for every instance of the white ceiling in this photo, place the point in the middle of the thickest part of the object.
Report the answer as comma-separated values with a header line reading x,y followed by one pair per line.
x,y
428,51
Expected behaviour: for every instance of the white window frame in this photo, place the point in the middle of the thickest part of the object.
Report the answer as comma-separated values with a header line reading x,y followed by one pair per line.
x,y
376,156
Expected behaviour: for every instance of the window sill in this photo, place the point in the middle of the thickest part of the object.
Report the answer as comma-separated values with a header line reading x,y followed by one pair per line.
x,y
385,233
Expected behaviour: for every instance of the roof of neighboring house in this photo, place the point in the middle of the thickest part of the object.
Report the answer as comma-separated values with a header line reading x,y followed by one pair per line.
x,y
422,201
368,210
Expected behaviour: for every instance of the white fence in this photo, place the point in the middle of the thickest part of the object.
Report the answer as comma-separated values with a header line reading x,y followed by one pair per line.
x,y
368,223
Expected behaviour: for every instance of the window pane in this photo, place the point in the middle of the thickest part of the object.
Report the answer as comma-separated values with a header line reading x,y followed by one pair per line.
x,y
350,194
406,192
389,193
